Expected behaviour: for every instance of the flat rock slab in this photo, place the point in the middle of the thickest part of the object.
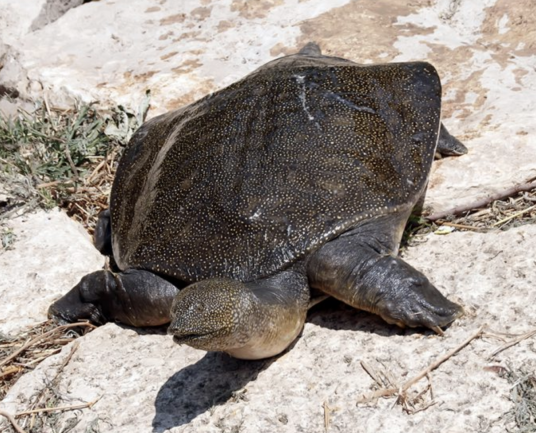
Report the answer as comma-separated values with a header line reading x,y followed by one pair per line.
x,y
49,254
114,50
145,382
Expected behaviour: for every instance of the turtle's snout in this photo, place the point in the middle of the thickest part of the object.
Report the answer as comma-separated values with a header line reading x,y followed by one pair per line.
x,y
206,315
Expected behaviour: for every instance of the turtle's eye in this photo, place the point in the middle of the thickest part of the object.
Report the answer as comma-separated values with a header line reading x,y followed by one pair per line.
x,y
199,307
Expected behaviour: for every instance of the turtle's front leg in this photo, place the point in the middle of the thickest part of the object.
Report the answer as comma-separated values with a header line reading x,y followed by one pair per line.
x,y
134,297
352,271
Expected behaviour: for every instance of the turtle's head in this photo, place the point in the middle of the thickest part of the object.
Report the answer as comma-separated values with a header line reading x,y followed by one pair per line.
x,y
213,315
247,320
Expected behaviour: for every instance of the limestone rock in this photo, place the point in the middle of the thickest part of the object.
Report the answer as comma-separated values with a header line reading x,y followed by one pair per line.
x,y
17,19
51,11
114,50
49,254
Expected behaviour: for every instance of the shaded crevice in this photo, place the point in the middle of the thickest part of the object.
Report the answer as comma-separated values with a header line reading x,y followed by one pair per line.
x,y
53,10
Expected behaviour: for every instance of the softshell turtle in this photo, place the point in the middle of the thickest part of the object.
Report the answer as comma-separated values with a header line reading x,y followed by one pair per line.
x,y
226,213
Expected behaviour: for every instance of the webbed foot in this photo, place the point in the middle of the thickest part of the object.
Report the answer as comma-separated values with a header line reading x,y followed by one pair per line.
x,y
134,297
411,300
448,145
364,278
81,302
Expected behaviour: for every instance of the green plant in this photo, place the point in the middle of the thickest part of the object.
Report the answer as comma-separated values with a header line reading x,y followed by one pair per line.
x,y
48,157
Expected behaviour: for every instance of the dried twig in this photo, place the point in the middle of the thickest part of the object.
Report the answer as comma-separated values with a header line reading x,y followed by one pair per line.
x,y
43,393
53,382
512,343
43,337
54,183
386,392
11,419
327,413
526,197
47,107
66,360
95,171
425,390
70,160
441,360
409,404
392,391
459,226
50,409
483,202
372,373
10,370
431,386
413,411
515,215
59,408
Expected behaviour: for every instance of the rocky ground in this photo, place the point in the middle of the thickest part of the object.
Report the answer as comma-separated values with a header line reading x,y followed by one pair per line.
x,y
113,51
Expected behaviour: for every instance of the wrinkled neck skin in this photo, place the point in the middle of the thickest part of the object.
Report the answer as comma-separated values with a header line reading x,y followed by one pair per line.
x,y
276,318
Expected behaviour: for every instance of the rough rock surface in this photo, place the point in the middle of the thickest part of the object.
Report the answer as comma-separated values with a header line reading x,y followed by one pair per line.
x,y
484,51
52,10
17,19
147,383
50,252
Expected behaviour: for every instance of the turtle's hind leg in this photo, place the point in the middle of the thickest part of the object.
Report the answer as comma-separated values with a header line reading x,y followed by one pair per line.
x,y
448,145
134,297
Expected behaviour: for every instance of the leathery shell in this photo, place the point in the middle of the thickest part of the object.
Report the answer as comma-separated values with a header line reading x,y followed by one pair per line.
x,y
248,179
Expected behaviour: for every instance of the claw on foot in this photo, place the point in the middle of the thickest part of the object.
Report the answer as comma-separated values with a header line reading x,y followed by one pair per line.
x,y
438,331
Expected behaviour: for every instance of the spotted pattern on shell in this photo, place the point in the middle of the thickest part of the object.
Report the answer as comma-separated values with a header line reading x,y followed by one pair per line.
x,y
247,180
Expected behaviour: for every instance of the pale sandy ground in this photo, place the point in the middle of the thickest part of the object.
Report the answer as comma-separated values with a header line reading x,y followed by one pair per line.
x,y
486,54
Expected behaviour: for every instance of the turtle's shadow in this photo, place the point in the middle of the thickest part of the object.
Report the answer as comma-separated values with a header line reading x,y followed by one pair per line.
x,y
336,315
209,382
215,378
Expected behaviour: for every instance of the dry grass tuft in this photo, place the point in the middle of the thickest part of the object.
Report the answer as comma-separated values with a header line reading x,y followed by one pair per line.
x,y
29,348
523,396
23,353
514,208
64,158
509,208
